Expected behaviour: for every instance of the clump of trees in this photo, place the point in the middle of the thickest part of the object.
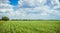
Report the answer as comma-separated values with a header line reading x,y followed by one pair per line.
x,y
5,18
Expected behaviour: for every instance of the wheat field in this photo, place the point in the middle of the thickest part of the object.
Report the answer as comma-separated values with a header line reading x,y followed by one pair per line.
x,y
29,26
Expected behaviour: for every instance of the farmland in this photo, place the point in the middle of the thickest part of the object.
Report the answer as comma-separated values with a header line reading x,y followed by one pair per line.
x,y
29,26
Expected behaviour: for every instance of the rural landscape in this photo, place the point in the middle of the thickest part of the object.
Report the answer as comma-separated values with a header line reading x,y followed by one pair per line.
x,y
29,26
29,16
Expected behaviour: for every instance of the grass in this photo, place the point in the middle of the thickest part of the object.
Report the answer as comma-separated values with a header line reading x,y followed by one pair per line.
x,y
29,26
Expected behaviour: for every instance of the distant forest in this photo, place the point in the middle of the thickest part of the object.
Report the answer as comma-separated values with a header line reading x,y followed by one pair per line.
x,y
29,20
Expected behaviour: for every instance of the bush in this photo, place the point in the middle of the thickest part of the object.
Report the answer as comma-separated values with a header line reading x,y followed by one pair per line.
x,y
5,18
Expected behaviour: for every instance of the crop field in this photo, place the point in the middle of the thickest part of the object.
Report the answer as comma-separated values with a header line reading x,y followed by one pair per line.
x,y
29,26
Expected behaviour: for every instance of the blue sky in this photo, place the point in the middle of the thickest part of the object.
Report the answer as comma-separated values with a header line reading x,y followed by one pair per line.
x,y
14,2
30,9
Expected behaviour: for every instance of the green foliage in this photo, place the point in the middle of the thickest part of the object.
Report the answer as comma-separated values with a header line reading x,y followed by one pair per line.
x,y
30,27
5,18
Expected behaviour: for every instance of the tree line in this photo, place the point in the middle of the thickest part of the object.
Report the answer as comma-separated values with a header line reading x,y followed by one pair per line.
x,y
5,18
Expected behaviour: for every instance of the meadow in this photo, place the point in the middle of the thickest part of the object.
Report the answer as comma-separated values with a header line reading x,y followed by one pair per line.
x,y
29,26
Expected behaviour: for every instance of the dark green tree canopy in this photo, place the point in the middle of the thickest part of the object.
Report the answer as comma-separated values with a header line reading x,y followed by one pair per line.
x,y
5,18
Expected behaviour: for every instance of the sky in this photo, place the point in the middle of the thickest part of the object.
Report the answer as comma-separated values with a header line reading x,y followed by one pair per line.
x,y
30,9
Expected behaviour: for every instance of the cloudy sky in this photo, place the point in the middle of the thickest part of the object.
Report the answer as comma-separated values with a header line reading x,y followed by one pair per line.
x,y
30,9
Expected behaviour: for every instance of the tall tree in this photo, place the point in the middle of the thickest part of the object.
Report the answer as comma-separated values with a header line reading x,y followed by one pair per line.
x,y
5,18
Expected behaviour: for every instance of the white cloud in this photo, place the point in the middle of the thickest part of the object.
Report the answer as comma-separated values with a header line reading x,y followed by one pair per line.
x,y
37,9
43,10
43,14
56,1
5,8
31,3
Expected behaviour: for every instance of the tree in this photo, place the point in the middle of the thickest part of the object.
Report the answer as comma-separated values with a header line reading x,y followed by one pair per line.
x,y
5,18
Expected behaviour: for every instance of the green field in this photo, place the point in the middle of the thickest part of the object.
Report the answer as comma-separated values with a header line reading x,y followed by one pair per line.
x,y
29,26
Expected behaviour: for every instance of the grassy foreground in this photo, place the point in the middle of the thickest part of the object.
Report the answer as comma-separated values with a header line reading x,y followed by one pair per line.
x,y
29,26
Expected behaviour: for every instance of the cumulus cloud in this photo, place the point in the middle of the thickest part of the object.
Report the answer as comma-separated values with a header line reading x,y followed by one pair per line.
x,y
32,9
5,8
31,3
39,8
